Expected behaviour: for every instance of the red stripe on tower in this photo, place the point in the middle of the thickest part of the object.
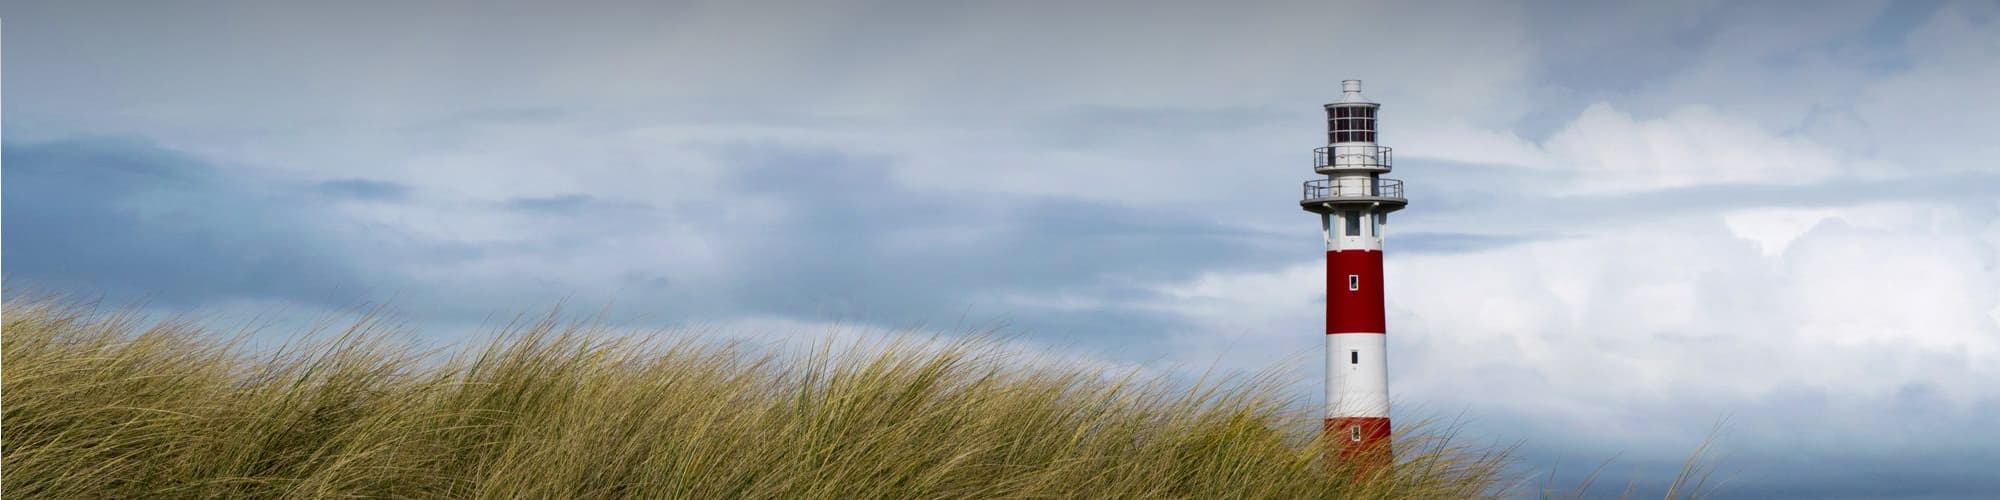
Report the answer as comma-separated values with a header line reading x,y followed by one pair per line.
x,y
1363,441
1353,202
1354,291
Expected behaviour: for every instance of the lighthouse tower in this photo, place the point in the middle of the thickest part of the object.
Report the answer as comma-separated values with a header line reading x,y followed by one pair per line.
x,y
1353,202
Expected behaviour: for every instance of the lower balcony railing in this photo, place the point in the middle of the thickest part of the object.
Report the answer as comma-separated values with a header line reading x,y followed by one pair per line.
x,y
1328,189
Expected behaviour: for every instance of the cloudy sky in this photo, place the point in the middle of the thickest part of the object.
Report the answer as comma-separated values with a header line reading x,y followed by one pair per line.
x,y
1628,224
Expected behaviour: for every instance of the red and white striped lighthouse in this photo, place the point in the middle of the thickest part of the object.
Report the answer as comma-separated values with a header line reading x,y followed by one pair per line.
x,y
1353,203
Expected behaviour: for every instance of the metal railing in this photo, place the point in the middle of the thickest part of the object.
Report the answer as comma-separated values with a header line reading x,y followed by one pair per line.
x,y
1356,156
1323,189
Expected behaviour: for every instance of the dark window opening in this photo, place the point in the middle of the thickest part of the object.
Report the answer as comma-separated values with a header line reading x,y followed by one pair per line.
x,y
1353,282
1353,357
1354,433
1353,223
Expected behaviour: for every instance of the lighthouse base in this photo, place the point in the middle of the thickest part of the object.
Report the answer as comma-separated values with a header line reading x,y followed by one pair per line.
x,y
1360,442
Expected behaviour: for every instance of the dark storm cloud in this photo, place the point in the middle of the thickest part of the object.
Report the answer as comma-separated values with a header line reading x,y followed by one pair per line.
x,y
858,242
506,115
1458,242
129,217
1115,125
1506,197
364,189
568,204
1974,187
549,204
123,216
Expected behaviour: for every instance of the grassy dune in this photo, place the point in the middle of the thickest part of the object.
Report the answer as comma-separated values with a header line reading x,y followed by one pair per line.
x,y
106,405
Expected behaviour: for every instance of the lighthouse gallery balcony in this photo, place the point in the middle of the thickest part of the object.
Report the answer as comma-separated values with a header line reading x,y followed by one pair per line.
x,y
1322,193
1367,157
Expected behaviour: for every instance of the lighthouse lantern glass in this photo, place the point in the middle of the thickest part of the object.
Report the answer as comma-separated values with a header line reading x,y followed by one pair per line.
x,y
1350,124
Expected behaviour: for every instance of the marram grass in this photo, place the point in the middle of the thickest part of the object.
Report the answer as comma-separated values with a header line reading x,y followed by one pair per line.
x,y
105,405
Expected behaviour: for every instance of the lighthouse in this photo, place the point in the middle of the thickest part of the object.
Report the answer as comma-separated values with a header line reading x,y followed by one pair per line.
x,y
1353,202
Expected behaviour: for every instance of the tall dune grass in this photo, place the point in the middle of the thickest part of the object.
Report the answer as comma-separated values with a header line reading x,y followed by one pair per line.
x,y
105,405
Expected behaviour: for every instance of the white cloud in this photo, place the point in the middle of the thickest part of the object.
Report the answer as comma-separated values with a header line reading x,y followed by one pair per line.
x,y
1605,150
1773,229
1467,144
1610,151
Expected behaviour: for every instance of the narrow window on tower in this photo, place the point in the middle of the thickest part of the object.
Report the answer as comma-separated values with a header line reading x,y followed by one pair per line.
x,y
1353,282
1354,222
1354,356
1354,433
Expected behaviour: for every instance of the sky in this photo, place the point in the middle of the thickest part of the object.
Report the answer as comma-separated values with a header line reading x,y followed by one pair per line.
x,y
1631,227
